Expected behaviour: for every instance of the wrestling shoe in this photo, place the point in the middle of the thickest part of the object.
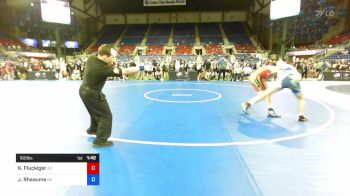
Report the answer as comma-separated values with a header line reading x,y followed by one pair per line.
x,y
272,114
102,144
245,106
91,132
302,118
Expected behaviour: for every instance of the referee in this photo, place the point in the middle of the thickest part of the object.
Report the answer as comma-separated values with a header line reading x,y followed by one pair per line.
x,y
98,68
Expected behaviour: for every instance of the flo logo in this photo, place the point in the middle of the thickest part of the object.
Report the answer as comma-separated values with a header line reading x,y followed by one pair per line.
x,y
325,13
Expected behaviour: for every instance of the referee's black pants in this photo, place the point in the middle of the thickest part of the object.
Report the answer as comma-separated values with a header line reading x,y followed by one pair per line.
x,y
223,71
100,113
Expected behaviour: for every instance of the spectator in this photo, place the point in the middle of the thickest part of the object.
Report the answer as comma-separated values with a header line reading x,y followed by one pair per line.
x,y
222,64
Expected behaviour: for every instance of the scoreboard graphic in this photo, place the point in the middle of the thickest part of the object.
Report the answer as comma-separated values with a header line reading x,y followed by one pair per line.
x,y
58,169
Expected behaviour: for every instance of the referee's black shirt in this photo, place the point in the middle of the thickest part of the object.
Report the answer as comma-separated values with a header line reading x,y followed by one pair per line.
x,y
96,73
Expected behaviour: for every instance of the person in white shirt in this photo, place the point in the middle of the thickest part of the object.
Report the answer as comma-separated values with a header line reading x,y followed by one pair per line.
x,y
177,65
63,66
287,77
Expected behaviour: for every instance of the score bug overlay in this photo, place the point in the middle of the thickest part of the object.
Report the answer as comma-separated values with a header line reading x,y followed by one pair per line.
x,y
58,169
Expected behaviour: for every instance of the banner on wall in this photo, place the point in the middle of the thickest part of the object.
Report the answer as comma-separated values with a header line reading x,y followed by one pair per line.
x,y
163,2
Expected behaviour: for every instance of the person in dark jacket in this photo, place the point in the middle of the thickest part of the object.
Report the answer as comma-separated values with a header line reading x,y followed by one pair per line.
x,y
98,68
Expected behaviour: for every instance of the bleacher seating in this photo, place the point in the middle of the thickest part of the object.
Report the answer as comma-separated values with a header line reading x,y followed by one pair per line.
x,y
132,40
126,49
110,35
154,50
313,23
10,43
209,33
345,54
157,40
213,39
234,28
134,35
238,39
183,49
184,34
136,30
245,48
94,48
212,49
338,39
184,37
184,40
237,35
159,34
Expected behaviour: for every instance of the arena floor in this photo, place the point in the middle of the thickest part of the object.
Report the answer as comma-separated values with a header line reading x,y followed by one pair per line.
x,y
184,138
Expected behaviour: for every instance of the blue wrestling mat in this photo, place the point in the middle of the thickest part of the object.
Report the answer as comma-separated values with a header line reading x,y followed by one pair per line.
x,y
187,138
